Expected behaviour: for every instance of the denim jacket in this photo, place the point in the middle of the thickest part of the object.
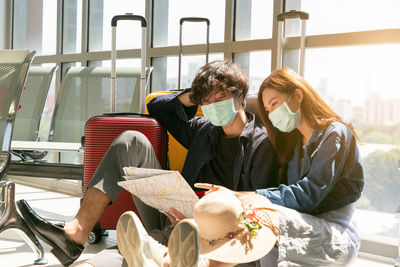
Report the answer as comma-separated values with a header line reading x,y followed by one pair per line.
x,y
255,163
330,176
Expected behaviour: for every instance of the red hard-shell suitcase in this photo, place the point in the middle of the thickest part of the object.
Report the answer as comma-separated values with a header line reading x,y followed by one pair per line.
x,y
100,132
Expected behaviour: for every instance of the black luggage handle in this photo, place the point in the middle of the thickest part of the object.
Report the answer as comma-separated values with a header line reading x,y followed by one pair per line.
x,y
194,19
116,18
293,14
126,114
191,19
142,93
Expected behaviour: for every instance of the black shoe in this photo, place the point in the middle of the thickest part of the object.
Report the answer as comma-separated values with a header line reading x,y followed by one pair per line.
x,y
63,247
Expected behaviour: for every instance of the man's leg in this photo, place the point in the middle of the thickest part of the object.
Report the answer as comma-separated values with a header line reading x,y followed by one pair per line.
x,y
131,148
93,206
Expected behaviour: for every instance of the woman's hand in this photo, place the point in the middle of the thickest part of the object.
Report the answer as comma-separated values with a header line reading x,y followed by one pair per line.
x,y
174,216
212,188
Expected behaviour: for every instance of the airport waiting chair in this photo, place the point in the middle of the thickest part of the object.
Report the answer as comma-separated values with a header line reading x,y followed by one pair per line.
x,y
84,93
27,121
14,65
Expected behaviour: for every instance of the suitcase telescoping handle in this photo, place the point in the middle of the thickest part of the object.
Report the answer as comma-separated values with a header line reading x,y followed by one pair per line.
x,y
114,21
191,19
292,14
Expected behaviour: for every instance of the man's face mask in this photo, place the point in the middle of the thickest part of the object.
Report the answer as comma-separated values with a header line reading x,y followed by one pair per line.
x,y
284,119
220,113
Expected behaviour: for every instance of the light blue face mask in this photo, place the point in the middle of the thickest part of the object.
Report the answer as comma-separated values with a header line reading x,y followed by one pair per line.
x,y
284,119
220,113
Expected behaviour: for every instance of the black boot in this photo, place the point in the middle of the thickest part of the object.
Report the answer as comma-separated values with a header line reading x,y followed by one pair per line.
x,y
63,247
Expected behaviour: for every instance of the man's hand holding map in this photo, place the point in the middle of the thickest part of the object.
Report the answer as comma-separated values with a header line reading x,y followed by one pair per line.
x,y
160,189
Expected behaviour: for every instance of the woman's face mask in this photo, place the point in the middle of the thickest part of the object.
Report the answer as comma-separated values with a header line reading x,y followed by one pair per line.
x,y
284,119
220,113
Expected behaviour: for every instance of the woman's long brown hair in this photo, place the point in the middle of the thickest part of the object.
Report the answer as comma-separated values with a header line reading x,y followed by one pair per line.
x,y
314,110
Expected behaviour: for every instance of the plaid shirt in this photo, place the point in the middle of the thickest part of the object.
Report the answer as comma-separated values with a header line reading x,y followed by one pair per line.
x,y
255,164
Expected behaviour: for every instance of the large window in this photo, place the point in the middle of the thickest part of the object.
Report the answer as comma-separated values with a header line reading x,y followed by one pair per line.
x,y
167,16
257,66
72,26
253,19
336,16
128,33
353,81
35,26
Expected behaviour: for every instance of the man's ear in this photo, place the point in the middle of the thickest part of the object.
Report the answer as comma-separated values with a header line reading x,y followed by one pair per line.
x,y
241,99
241,96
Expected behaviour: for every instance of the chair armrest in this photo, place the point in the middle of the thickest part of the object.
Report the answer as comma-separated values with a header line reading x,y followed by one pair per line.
x,y
47,146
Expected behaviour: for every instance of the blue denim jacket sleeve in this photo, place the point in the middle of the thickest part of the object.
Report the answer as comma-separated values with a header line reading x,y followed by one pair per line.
x,y
321,169
175,117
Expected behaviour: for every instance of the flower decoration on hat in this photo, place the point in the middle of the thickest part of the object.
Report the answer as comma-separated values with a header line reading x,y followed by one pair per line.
x,y
253,219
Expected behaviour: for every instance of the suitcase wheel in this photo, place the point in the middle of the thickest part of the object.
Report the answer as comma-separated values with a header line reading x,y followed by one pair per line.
x,y
95,235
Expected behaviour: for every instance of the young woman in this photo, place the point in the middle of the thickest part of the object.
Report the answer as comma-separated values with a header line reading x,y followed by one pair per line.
x,y
320,175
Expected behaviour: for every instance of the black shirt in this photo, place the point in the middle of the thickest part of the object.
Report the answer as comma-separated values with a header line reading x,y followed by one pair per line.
x,y
219,170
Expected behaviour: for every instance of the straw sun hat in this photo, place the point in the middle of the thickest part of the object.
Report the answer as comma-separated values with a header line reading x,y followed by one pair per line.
x,y
234,230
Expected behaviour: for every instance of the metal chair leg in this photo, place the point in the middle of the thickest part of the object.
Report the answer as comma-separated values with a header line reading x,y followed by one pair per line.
x,y
10,219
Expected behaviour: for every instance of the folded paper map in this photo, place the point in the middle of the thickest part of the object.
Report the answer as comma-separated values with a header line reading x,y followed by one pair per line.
x,y
160,189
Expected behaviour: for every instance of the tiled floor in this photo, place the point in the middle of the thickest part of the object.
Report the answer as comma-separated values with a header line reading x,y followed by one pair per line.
x,y
15,252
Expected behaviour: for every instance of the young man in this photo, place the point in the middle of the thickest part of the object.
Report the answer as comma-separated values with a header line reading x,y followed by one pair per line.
x,y
226,147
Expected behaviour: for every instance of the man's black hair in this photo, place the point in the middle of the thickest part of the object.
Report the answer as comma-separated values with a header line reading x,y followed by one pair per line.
x,y
219,75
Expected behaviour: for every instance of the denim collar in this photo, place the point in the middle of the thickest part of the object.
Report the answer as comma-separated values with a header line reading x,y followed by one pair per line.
x,y
316,135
